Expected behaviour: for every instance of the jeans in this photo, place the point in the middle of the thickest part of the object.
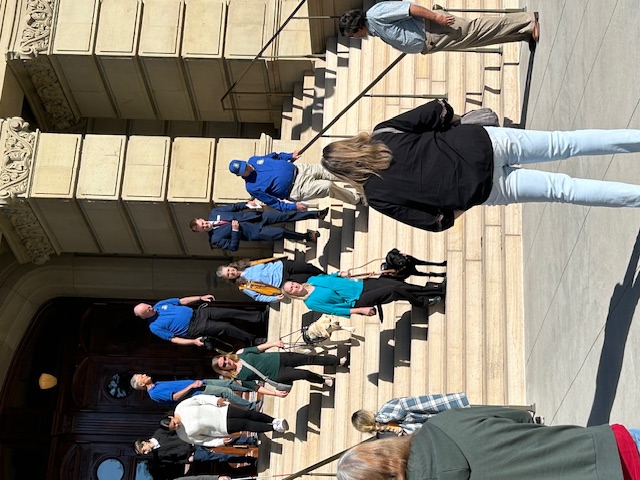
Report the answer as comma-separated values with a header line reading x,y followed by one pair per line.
x,y
202,454
217,388
518,147
635,434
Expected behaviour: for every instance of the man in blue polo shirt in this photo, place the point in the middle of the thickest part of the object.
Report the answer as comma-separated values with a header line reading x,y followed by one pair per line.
x,y
273,179
174,321
172,392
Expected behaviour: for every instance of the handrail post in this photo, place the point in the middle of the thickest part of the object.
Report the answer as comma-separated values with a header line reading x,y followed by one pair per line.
x,y
271,40
352,103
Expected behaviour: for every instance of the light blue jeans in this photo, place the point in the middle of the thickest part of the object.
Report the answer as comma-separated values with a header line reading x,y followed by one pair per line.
x,y
635,434
513,147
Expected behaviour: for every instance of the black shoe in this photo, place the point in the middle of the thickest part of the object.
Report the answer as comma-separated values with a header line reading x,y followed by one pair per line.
x,y
433,301
323,213
535,36
259,341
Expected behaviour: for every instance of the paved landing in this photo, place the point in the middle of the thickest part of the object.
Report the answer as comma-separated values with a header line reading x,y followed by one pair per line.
x,y
582,327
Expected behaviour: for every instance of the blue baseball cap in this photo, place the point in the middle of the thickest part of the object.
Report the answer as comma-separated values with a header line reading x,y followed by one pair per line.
x,y
237,167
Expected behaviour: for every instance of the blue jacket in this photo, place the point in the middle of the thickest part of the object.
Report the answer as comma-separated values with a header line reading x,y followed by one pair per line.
x,y
272,180
223,236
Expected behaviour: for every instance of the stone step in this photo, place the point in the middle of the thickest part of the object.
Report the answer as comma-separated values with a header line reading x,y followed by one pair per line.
x,y
473,346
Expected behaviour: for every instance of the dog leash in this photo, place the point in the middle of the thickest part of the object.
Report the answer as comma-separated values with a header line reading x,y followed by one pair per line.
x,y
390,271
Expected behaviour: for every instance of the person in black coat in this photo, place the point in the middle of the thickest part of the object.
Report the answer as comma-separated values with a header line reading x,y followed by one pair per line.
x,y
229,224
424,169
166,447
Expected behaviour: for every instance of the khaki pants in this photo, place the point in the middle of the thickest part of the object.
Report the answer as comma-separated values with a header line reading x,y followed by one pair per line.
x,y
313,181
478,32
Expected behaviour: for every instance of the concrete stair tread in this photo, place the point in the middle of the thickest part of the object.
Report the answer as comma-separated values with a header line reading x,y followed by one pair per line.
x,y
476,346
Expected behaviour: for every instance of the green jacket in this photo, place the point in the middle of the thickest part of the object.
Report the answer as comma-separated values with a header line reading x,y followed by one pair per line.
x,y
267,363
494,443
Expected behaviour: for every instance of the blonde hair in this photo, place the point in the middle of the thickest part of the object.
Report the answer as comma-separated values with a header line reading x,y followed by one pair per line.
x,y
230,374
365,421
376,460
355,159
296,297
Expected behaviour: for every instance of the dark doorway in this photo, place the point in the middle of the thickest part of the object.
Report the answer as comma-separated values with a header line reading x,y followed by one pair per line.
x,y
84,426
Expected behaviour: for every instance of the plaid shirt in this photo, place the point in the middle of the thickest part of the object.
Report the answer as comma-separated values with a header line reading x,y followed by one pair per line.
x,y
411,412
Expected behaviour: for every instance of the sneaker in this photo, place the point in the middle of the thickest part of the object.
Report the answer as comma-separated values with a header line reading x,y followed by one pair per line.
x,y
328,381
280,425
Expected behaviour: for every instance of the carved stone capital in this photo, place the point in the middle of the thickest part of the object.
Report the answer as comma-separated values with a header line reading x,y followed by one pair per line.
x,y
34,36
51,98
27,228
19,143
26,233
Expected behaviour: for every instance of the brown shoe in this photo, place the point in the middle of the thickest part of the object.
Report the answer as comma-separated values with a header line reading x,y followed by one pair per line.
x,y
312,236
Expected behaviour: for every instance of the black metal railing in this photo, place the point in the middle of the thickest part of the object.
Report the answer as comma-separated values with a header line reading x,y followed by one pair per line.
x,y
353,102
259,54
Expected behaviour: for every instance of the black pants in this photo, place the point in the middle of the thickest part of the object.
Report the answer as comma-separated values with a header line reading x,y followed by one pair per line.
x,y
299,272
239,419
214,321
378,291
289,360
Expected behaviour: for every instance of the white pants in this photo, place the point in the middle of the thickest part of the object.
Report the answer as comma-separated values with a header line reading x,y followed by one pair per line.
x,y
518,185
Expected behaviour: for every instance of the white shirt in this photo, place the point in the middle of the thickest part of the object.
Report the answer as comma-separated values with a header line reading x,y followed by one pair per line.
x,y
202,421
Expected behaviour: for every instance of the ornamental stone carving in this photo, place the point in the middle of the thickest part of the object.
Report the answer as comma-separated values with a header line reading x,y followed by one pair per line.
x,y
17,157
28,228
29,60
36,28
60,116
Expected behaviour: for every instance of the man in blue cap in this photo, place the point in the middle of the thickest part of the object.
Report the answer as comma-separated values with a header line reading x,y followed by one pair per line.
x,y
273,179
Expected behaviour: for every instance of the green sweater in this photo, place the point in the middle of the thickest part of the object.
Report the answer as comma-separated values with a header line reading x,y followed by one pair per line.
x,y
494,443
265,362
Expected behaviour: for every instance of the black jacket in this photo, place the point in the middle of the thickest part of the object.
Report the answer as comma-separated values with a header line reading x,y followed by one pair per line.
x,y
436,169
172,449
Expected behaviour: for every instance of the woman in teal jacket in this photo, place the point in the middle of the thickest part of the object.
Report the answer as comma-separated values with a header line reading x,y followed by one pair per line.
x,y
494,443
337,295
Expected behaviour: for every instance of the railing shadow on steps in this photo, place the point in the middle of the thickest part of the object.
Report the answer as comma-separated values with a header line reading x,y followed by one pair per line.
x,y
262,50
292,16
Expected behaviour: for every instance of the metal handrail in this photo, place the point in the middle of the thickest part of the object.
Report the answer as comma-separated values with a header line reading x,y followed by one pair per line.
x,y
352,102
426,96
255,59
306,471
322,463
